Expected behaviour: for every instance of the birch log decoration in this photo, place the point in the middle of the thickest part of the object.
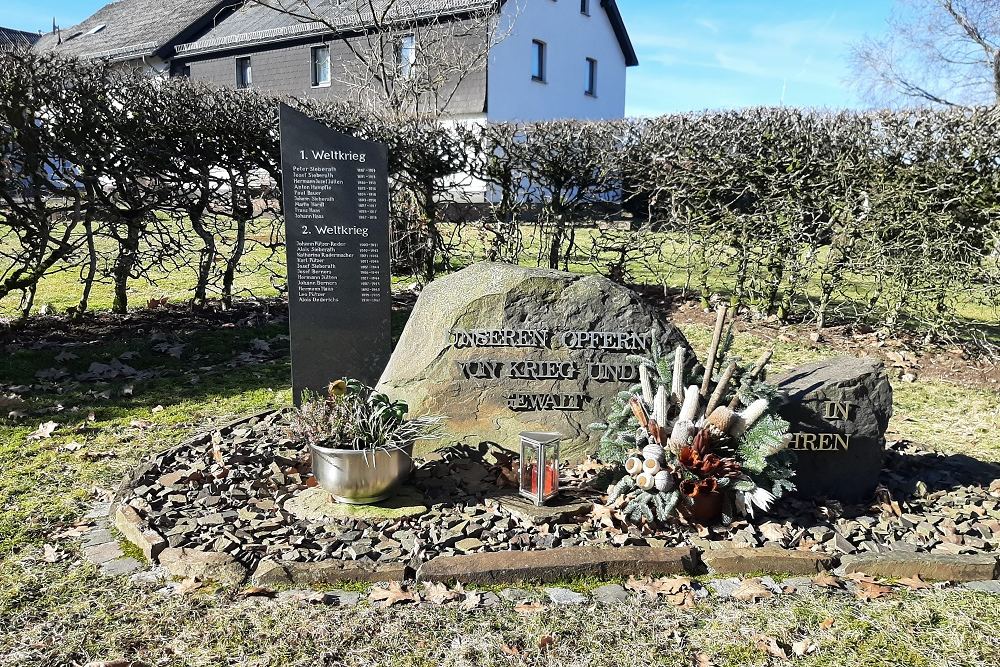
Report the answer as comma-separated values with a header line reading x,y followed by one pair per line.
x,y
754,374
677,385
713,351
720,389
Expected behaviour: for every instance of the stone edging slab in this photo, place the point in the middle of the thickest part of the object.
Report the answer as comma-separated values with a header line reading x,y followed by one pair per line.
x,y
501,567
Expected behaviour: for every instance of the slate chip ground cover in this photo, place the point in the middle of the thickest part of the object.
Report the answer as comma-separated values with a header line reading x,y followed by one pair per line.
x,y
59,611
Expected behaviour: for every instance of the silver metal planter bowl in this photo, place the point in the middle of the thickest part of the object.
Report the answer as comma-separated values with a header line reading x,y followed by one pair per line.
x,y
361,477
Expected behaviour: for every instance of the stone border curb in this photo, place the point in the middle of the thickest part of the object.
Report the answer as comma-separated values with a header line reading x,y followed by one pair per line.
x,y
767,559
551,565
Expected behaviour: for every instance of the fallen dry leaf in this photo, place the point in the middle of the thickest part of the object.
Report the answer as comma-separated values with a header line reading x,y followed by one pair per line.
x,y
770,646
604,515
656,587
189,586
52,554
257,592
439,594
528,608
393,595
803,647
507,649
545,642
826,580
702,660
684,600
751,590
871,591
44,431
915,583
471,601
826,623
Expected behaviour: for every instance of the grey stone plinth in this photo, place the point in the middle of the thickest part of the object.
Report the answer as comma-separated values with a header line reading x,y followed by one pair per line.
x,y
318,505
558,510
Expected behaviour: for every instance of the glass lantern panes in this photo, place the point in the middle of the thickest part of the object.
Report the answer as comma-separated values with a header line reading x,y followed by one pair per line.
x,y
539,468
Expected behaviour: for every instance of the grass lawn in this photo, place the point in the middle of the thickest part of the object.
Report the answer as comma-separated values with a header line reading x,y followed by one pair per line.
x,y
199,371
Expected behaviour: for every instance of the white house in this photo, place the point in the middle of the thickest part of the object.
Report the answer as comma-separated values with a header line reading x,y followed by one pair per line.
x,y
555,59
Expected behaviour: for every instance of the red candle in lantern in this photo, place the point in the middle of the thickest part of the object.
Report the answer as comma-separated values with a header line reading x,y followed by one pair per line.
x,y
551,476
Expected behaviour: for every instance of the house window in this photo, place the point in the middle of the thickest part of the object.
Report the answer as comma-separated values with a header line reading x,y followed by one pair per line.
x,y
537,60
585,7
320,66
244,73
591,80
406,55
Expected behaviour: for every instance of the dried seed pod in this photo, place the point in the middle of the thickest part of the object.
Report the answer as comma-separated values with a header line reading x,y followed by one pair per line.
x,y
692,398
664,481
744,420
661,406
633,465
655,452
677,382
645,481
682,431
721,419
646,380
651,466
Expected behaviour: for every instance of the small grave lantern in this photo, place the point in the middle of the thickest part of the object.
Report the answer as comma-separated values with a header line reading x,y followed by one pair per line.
x,y
539,469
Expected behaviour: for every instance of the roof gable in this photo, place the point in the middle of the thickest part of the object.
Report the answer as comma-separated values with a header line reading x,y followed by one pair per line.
x,y
618,24
128,29
14,39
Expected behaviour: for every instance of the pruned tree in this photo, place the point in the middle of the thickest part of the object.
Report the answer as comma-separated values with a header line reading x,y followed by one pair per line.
x,y
936,51
49,107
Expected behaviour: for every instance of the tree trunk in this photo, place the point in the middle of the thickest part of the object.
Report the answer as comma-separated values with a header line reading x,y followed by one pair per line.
x,y
206,260
128,249
432,237
88,278
239,248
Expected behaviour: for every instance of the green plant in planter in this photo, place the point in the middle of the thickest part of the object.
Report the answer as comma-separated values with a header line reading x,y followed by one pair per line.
x,y
353,415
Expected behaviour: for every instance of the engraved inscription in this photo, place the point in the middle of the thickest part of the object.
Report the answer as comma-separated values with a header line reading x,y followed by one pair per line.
x,y
535,402
820,442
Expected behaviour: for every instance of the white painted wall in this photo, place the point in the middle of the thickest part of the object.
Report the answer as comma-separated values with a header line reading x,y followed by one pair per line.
x,y
571,38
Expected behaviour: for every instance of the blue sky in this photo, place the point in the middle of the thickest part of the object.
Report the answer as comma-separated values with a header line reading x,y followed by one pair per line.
x,y
694,54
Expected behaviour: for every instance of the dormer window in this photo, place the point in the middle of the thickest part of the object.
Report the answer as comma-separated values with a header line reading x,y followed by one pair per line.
x,y
96,29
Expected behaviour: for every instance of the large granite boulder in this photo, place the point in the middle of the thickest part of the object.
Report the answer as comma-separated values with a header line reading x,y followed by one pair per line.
x,y
839,410
499,349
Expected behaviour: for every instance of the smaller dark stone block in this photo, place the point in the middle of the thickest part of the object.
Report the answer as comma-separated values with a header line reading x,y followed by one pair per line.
x,y
839,410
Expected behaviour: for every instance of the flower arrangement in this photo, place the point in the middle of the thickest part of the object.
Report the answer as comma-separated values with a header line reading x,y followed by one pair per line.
x,y
703,442
353,415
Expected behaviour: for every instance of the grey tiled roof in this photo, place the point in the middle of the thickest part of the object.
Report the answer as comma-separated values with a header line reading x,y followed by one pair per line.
x,y
12,39
132,28
255,23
